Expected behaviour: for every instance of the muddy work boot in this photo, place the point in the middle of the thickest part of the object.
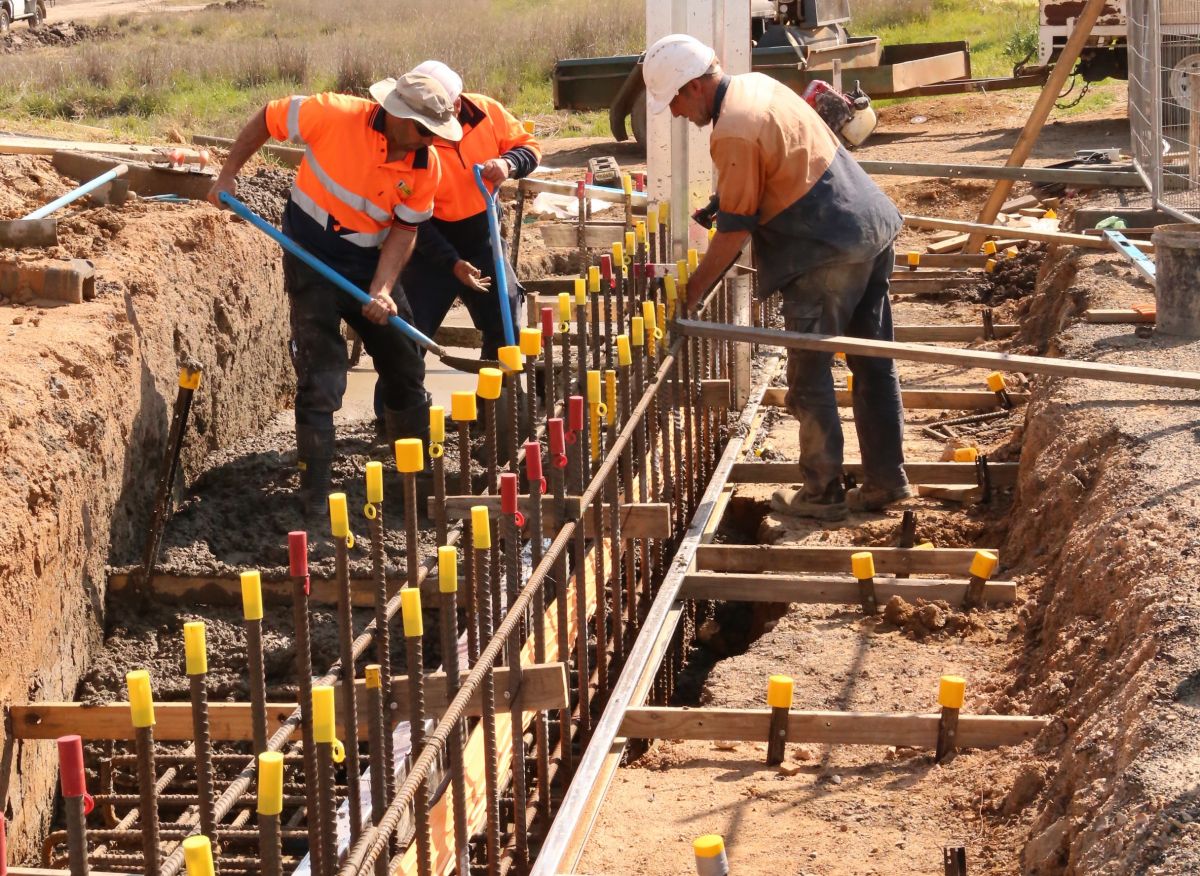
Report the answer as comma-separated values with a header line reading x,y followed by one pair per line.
x,y
827,505
314,458
867,498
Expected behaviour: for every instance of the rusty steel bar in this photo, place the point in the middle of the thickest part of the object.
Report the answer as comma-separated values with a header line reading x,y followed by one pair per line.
x,y
414,631
378,740
196,665
345,627
148,799
298,570
448,586
383,637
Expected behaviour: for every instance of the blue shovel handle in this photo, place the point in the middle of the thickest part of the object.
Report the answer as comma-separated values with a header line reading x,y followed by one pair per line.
x,y
510,338
413,334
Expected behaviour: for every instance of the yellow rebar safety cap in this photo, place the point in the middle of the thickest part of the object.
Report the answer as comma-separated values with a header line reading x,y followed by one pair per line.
x,y
324,729
849,383
531,342
511,358
630,243
374,475
462,406
984,565
708,846
952,690
652,219
624,354
693,261
197,856
593,283
965,454
996,382
410,607
681,271
664,213
564,303
437,424
481,527
339,520
141,700
448,569
618,254
410,455
270,783
914,258
863,565
373,673
669,286
490,381
252,604
640,232
594,394
989,247
779,691
195,648
189,378
648,316
637,331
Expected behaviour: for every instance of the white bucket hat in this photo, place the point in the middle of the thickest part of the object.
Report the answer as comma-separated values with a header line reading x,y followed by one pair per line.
x,y
423,99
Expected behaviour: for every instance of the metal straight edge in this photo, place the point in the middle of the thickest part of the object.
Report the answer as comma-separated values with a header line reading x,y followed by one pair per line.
x,y
570,817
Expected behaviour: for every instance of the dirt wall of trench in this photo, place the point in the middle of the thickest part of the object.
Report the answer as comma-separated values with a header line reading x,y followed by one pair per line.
x,y
1106,523
86,396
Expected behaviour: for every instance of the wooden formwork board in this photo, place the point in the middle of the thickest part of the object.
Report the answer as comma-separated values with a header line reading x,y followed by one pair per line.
x,y
732,587
831,558
920,399
638,519
219,590
1003,474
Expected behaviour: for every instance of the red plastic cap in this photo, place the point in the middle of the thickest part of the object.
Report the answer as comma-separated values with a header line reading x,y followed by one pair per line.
x,y
508,493
533,460
298,554
547,322
589,177
575,413
558,436
70,766
639,180
606,269
579,188
637,270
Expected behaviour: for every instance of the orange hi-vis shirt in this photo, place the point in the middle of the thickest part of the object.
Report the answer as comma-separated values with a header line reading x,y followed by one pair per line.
x,y
489,131
347,195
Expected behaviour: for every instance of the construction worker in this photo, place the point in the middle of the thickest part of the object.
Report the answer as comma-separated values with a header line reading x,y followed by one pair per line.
x,y
454,258
366,184
823,236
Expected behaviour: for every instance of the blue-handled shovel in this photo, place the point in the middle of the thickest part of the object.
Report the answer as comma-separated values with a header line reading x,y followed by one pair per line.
x,y
510,338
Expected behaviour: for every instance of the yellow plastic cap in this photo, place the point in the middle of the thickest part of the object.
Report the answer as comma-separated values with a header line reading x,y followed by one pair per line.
x,y
252,606
984,565
863,565
618,254
640,231
669,285
637,331
627,183
410,455
195,649
779,691
996,382
531,342
693,261
1012,252
448,569
990,266
270,783
849,383
648,316
914,258
373,673
374,476
189,378
564,304
490,381
624,354
630,243
197,856
652,219
511,358
593,283
141,700
481,527
339,520
708,846
965,454
664,212
1050,214
437,424
989,247
322,713
681,271
410,607
924,546
594,395
951,691
463,407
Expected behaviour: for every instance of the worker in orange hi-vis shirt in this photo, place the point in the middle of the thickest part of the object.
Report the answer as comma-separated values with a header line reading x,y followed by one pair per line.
x,y
365,186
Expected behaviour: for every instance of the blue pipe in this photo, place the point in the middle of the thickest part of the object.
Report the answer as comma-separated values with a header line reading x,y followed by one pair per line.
x,y
510,338
76,194
325,271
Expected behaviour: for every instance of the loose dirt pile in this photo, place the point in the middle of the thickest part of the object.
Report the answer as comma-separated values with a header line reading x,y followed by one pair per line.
x,y
926,619
63,33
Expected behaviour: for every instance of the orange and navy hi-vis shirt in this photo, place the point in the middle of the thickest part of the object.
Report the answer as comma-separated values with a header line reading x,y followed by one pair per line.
x,y
459,227
347,195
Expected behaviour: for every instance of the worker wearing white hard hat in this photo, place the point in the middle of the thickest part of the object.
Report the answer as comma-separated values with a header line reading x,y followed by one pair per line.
x,y
823,236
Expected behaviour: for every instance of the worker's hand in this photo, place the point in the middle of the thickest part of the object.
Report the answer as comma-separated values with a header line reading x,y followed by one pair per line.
x,y
222,184
381,307
471,277
496,171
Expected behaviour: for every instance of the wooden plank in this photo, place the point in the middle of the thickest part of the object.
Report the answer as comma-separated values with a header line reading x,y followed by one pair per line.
x,y
543,686
949,245
1003,474
533,185
1023,148
217,590
832,558
1068,175
564,236
812,589
18,145
945,260
950,333
1004,231
968,358
827,728
142,178
920,399
289,155
1146,314
715,393
638,519
916,285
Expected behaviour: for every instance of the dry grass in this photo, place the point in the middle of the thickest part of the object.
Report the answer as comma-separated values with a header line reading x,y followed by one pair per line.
x,y
871,14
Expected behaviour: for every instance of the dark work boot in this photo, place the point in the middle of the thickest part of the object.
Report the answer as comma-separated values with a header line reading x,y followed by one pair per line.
x,y
314,458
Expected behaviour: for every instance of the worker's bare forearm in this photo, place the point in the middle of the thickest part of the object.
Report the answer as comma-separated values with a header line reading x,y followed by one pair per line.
x,y
252,138
723,251
393,256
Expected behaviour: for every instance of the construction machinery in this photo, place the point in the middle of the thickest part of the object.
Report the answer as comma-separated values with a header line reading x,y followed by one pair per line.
x,y
1104,56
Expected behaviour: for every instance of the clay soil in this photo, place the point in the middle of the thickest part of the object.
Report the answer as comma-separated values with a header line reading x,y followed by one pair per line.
x,y
1099,536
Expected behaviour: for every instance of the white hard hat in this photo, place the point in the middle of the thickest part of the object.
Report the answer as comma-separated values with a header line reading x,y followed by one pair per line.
x,y
672,63
449,80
